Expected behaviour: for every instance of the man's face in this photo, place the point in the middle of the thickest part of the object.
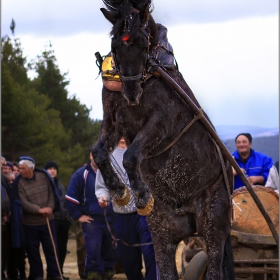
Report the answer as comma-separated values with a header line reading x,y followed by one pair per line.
x,y
15,170
92,162
10,178
25,172
7,169
122,143
243,145
52,171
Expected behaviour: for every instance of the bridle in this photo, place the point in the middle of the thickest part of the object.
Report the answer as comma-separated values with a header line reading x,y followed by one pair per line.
x,y
141,76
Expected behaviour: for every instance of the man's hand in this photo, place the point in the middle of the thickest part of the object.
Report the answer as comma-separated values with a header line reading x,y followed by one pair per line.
x,y
235,173
46,211
85,219
256,180
103,201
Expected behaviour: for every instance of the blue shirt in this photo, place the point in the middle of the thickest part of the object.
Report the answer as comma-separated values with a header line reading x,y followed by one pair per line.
x,y
258,164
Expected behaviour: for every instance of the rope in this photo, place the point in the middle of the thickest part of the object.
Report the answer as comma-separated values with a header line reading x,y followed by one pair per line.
x,y
115,240
125,180
226,179
195,118
56,259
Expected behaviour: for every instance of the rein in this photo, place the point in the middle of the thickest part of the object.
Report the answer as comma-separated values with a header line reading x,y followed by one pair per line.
x,y
125,180
164,74
115,240
195,118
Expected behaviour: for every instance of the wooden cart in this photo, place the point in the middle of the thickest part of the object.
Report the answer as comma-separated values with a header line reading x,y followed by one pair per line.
x,y
254,249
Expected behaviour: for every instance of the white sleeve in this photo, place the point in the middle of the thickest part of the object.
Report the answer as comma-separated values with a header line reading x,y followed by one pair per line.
x,y
100,187
273,179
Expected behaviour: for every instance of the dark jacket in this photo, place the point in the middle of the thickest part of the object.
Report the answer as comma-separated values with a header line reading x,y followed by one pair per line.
x,y
63,213
81,198
17,237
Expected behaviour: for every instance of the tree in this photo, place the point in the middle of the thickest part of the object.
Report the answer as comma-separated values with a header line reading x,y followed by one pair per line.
x,y
38,117
74,115
27,120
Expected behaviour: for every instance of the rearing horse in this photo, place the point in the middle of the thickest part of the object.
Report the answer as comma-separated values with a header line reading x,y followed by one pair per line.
x,y
171,160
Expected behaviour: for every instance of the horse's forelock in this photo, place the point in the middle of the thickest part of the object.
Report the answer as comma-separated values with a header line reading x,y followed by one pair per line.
x,y
127,18
129,15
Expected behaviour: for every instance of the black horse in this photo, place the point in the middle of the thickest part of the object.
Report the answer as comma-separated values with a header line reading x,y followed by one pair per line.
x,y
181,171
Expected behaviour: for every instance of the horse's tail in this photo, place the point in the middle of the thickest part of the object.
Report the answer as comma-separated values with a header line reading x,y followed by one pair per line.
x,y
228,267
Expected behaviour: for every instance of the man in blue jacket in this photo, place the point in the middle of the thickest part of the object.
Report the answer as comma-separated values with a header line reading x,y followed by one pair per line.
x,y
83,206
254,165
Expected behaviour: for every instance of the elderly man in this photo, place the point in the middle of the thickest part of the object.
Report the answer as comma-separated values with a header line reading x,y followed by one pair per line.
x,y
8,168
34,192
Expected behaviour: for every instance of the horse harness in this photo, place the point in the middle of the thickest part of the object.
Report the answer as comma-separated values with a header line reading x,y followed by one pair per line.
x,y
149,71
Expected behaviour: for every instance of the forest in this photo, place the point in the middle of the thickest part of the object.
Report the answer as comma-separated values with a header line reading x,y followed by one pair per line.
x,y
39,117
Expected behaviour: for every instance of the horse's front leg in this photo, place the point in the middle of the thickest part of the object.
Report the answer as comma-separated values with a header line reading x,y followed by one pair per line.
x,y
141,191
112,181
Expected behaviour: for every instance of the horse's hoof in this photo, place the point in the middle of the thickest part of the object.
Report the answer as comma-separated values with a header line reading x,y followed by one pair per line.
x,y
148,208
124,199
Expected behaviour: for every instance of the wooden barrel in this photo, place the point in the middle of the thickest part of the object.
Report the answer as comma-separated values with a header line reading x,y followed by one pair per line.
x,y
247,216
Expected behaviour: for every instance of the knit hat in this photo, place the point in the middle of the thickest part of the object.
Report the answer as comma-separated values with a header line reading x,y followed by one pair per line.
x,y
9,164
27,158
51,164
248,135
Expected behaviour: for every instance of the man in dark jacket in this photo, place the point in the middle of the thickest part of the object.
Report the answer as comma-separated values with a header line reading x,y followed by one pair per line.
x,y
33,201
83,206
61,218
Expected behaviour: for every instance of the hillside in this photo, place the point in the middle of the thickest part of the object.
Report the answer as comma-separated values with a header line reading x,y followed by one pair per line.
x,y
226,132
267,145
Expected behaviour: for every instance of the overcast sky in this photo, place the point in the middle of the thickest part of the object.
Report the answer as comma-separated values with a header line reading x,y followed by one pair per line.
x,y
227,50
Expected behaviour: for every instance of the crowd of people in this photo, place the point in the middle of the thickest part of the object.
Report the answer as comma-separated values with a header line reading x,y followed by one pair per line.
x,y
38,210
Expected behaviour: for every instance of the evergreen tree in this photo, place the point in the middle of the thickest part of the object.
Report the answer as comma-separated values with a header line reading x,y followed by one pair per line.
x,y
39,119
74,115
27,120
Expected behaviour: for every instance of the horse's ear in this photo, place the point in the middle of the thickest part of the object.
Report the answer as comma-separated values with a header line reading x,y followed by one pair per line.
x,y
109,16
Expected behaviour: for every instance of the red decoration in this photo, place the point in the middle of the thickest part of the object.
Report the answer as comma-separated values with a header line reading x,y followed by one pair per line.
x,y
125,38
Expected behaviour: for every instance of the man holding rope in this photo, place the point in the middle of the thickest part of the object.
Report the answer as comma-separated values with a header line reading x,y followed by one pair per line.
x,y
34,192
83,206
131,229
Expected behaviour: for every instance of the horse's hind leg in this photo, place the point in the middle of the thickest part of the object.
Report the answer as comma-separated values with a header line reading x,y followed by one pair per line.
x,y
216,227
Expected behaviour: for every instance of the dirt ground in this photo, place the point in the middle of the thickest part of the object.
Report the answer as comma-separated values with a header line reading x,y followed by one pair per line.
x,y
70,265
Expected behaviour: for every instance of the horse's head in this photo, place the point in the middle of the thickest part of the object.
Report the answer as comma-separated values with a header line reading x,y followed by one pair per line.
x,y
134,32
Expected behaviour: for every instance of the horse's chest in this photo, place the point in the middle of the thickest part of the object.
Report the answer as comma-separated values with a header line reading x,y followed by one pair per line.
x,y
128,119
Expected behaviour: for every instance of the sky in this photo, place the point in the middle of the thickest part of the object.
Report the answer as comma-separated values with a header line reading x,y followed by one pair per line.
x,y
227,50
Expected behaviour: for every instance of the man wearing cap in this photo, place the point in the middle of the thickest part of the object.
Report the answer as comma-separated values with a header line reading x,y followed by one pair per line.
x,y
8,168
34,199
254,165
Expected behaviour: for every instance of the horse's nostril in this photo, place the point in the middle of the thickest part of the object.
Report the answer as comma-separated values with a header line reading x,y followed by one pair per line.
x,y
132,103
